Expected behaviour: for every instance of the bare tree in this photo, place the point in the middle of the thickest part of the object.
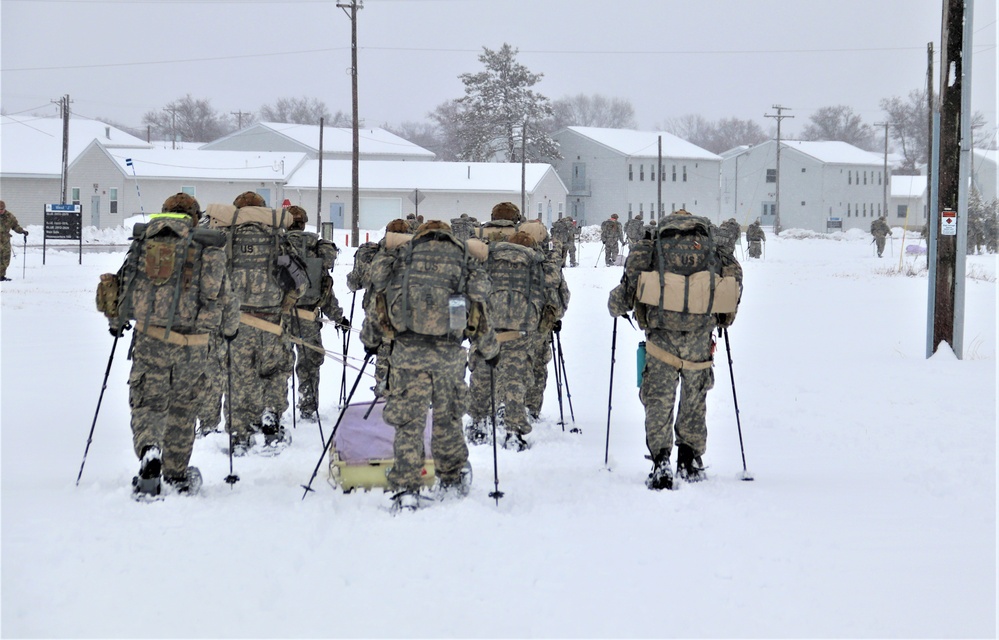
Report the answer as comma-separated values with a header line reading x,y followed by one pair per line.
x,y
424,134
839,123
303,111
447,119
188,120
910,129
593,111
716,137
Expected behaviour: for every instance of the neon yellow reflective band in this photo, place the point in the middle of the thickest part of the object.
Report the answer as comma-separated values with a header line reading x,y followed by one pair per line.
x,y
175,216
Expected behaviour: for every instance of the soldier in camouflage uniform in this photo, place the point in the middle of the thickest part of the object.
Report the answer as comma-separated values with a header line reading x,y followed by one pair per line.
x,y
880,230
634,230
462,227
611,234
8,223
431,296
306,319
261,359
730,233
556,303
564,237
679,347
755,236
168,360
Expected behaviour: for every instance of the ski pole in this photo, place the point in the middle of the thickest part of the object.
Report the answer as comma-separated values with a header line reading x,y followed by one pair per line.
x,y
24,256
602,249
343,412
728,349
558,386
496,494
346,345
232,478
104,385
610,392
565,380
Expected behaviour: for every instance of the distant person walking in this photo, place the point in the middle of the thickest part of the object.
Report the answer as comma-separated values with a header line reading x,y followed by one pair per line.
x,y
880,229
8,223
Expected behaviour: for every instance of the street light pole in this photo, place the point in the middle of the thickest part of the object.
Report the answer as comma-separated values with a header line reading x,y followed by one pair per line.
x,y
355,207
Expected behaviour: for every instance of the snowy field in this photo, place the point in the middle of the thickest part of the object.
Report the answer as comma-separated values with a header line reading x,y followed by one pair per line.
x,y
872,513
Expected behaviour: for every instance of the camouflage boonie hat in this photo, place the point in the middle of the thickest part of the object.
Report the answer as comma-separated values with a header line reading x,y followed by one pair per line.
x,y
249,199
506,211
298,213
524,239
182,203
397,226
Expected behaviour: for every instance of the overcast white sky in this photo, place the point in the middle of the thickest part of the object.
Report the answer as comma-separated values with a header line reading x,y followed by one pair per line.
x,y
720,58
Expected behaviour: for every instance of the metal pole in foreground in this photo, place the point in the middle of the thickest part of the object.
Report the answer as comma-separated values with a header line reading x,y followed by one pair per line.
x,y
93,424
728,349
610,392
496,494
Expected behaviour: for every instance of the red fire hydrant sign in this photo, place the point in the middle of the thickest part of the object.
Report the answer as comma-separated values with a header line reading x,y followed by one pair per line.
x,y
948,223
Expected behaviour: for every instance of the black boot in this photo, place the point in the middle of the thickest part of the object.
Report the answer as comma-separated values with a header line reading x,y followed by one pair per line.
x,y
688,466
147,483
187,483
661,476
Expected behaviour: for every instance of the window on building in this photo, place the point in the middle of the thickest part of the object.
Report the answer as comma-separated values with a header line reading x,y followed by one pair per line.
x,y
652,173
560,208
75,195
848,214
674,173
113,199
802,203
865,209
191,191
879,177
541,209
641,173
640,211
771,175
803,169
684,173
672,206
903,210
629,211
865,177
631,173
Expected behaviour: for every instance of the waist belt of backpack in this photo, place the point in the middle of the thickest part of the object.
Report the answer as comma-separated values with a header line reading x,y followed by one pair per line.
x,y
677,363
191,340
304,313
507,336
259,323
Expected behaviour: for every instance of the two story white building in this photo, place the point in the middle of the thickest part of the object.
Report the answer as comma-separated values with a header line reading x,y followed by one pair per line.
x,y
616,171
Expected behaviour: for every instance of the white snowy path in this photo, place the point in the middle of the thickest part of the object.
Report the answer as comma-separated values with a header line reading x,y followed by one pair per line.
x,y
872,513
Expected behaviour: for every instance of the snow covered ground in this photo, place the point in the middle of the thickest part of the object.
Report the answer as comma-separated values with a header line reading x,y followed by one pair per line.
x,y
872,513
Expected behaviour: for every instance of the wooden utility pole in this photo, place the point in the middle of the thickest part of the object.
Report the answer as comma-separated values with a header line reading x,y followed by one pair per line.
x,y
659,182
319,189
885,170
64,177
239,117
523,171
952,82
929,124
355,206
779,117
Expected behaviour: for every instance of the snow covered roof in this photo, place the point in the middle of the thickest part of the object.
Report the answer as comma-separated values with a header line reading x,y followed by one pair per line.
x,y
336,139
208,165
644,144
33,146
427,176
908,186
834,152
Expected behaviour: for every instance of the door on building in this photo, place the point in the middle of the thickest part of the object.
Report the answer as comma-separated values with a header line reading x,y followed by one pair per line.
x,y
578,214
769,214
336,215
95,211
266,195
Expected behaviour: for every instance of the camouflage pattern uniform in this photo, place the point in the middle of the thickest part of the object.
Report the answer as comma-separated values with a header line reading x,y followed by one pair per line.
x,y
686,336
8,223
167,375
564,235
755,236
306,321
429,369
634,230
880,229
611,234
730,233
556,303
462,227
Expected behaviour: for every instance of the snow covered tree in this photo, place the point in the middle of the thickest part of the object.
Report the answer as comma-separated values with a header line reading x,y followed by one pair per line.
x,y
839,123
303,111
593,111
498,102
188,120
716,137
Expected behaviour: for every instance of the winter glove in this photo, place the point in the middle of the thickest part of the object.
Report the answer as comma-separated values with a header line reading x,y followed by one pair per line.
x,y
724,320
343,324
229,338
557,327
25,233
492,362
118,331
370,350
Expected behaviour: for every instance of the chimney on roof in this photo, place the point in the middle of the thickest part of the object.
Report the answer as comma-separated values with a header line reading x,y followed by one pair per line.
x,y
107,132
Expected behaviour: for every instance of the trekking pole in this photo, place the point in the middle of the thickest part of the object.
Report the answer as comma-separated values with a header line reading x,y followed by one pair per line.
x,y
728,349
343,412
24,257
104,385
232,478
602,249
558,386
610,392
496,494
346,345
565,380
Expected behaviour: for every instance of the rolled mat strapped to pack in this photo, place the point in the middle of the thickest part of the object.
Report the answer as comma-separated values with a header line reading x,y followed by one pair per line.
x,y
690,294
363,452
221,215
677,363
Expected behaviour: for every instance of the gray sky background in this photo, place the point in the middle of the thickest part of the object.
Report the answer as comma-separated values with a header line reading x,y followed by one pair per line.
x,y
719,58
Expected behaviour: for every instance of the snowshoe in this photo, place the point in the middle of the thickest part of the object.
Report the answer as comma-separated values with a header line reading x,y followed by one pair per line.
x,y
185,484
147,486
515,442
478,432
455,488
689,467
661,476
271,440
409,500
241,445
307,414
